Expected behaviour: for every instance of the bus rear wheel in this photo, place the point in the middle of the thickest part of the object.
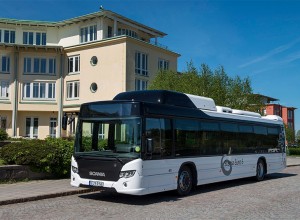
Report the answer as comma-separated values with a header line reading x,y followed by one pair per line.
x,y
185,181
260,170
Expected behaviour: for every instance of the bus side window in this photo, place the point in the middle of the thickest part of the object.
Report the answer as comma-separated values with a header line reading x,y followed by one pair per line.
x,y
166,138
159,130
187,137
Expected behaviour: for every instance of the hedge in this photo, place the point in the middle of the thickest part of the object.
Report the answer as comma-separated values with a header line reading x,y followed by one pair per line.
x,y
51,155
294,150
3,135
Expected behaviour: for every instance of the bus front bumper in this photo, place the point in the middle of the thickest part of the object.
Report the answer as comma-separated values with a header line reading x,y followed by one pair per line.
x,y
123,185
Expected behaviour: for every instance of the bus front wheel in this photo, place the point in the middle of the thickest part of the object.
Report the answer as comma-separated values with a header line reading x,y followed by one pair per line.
x,y
260,170
185,181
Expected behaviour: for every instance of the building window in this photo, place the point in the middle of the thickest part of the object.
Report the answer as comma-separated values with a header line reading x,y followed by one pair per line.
x,y
51,90
109,31
93,33
83,34
3,122
123,31
290,114
74,64
4,88
5,64
88,34
277,111
73,90
141,84
27,65
39,90
141,64
28,38
39,66
9,36
52,66
41,39
94,87
94,61
32,125
34,38
52,127
163,64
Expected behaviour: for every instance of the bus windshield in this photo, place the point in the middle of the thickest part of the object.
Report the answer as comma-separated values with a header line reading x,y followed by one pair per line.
x,y
109,137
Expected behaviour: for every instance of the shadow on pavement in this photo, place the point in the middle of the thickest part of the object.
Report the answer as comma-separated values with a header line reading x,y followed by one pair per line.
x,y
114,197
171,196
239,182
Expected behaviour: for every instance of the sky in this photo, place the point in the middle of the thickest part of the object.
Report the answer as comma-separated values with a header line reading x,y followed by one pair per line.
x,y
255,39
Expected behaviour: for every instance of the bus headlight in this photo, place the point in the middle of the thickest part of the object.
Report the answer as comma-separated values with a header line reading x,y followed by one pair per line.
x,y
127,174
74,169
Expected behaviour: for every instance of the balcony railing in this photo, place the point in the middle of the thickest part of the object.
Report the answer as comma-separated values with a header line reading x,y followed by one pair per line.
x,y
159,45
152,41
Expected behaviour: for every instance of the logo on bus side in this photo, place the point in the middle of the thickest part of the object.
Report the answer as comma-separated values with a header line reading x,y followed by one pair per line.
x,y
226,165
94,173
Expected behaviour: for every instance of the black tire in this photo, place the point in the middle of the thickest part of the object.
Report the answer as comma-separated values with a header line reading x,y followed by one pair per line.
x,y
260,170
185,181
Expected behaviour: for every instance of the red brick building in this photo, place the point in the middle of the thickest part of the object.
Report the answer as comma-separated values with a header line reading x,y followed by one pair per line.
x,y
286,113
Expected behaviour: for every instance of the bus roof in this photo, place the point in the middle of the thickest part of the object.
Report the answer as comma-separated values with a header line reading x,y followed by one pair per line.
x,y
207,105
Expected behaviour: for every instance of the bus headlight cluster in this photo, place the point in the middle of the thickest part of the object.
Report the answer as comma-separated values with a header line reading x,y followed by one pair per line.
x,y
74,169
127,174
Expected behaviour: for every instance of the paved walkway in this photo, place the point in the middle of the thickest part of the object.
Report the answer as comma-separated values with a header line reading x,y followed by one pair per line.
x,y
43,189
293,161
36,190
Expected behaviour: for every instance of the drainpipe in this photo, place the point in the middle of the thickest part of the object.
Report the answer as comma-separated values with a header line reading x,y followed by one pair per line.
x,y
61,94
15,101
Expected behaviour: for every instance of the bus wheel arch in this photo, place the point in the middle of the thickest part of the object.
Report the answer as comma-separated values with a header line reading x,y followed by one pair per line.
x,y
261,169
187,178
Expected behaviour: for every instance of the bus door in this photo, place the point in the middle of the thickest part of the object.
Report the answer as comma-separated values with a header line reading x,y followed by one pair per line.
x,y
158,132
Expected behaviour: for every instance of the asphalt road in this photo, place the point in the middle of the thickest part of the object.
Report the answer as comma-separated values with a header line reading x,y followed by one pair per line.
x,y
277,197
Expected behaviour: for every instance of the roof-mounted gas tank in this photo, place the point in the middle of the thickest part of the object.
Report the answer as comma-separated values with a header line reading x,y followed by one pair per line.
x,y
157,96
203,102
169,98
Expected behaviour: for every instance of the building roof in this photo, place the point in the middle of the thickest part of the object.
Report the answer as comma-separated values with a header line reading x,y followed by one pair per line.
x,y
101,13
268,98
27,22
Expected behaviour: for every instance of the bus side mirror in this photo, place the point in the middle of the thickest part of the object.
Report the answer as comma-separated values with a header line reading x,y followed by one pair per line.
x,y
149,142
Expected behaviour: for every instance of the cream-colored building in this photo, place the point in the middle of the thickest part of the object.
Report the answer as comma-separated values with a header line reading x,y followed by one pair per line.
x,y
48,69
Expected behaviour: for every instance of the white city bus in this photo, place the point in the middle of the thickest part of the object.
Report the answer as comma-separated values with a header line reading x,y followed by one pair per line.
x,y
145,142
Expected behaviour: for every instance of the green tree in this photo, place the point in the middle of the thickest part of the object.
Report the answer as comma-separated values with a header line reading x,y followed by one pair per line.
x,y
233,92
298,138
289,135
219,87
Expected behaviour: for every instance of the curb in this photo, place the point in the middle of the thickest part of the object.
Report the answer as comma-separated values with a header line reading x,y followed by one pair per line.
x,y
46,196
60,194
293,165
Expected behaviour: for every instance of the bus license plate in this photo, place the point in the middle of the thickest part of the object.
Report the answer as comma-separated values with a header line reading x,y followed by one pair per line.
x,y
96,183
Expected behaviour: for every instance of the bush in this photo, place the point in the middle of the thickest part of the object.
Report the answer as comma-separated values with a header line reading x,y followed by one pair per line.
x,y
294,151
3,135
51,155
